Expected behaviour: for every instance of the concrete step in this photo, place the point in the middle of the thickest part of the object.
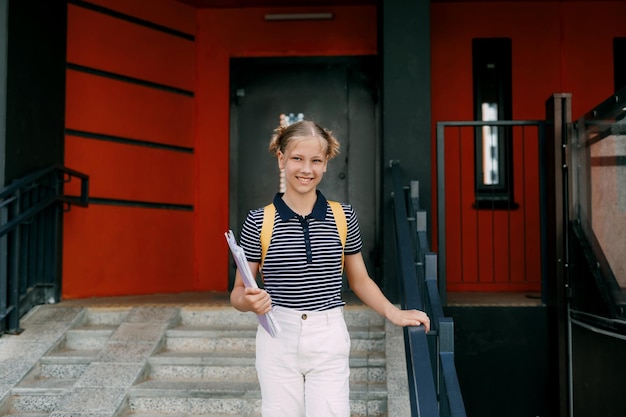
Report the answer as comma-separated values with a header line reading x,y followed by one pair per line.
x,y
229,318
241,367
185,339
192,361
207,330
130,414
90,332
55,375
58,371
207,367
226,398
43,398
86,339
65,366
43,387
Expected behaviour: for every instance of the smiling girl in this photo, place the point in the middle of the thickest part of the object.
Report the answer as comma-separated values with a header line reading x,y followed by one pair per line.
x,y
304,371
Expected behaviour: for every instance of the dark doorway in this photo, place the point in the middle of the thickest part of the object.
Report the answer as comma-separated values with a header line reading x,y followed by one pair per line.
x,y
339,93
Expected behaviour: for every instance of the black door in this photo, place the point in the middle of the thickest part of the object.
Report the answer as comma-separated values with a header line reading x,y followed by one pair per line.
x,y
339,93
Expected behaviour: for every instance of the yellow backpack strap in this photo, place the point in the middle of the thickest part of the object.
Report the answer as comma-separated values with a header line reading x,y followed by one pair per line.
x,y
342,225
266,229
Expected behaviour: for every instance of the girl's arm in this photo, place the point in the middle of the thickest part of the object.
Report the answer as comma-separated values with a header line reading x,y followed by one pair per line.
x,y
250,299
367,290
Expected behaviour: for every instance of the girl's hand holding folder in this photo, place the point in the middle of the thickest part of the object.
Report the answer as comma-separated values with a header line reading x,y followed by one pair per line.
x,y
249,297
256,300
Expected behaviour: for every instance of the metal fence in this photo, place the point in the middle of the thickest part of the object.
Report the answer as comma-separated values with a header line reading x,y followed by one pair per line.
x,y
30,240
485,243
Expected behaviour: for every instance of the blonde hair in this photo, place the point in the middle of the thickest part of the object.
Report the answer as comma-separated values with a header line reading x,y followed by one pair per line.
x,y
284,135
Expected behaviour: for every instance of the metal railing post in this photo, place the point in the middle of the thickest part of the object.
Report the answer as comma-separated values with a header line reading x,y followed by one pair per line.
x,y
14,269
4,269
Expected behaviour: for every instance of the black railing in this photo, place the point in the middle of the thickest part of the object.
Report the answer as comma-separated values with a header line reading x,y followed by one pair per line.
x,y
433,383
30,240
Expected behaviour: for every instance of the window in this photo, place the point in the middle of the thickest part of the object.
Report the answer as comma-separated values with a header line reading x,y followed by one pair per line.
x,y
492,69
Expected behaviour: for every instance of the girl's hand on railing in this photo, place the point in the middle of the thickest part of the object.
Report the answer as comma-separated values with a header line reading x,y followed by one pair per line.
x,y
410,318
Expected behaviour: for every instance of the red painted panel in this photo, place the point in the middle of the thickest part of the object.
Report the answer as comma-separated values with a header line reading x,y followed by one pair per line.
x,y
453,179
484,247
588,51
352,31
505,247
111,250
102,105
169,13
470,232
110,44
494,287
485,230
128,172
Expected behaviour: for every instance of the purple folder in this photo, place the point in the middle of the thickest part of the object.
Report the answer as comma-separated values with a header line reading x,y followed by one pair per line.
x,y
266,320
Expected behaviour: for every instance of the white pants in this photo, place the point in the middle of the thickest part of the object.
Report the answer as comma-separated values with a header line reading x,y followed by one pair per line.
x,y
305,370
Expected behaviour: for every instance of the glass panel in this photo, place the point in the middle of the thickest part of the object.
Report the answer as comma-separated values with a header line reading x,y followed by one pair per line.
x,y
599,189
490,145
608,211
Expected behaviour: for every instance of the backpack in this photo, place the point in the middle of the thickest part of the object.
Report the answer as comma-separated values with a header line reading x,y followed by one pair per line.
x,y
267,228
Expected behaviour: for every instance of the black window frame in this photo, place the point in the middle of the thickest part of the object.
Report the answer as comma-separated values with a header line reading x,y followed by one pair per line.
x,y
492,82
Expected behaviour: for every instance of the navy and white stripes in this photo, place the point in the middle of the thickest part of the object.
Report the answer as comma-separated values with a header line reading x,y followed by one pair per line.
x,y
302,267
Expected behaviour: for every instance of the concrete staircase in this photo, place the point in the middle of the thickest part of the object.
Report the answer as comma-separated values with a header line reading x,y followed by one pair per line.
x,y
172,361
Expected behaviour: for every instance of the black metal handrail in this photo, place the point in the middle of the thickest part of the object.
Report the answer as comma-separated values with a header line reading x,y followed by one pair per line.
x,y
30,246
433,383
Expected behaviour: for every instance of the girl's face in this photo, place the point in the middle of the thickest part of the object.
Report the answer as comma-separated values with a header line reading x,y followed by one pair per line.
x,y
304,162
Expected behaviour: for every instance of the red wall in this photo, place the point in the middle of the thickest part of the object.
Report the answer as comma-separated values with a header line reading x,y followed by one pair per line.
x,y
124,249
557,47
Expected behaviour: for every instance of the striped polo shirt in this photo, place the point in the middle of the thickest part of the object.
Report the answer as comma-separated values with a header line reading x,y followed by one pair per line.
x,y
302,267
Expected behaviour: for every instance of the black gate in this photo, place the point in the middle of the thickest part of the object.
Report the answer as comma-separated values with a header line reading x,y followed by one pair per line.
x,y
31,211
